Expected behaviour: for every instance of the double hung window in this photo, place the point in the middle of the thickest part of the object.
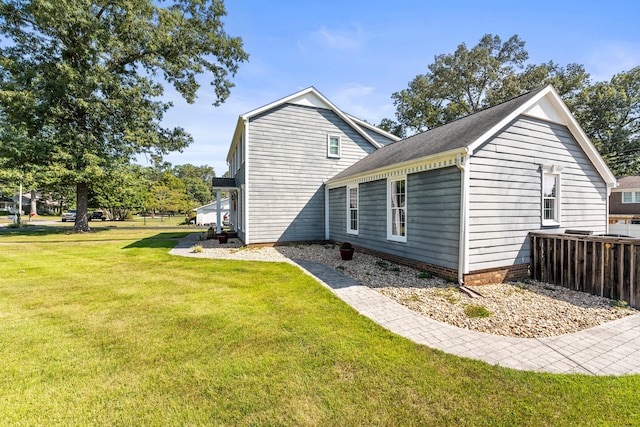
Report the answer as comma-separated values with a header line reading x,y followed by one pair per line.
x,y
397,209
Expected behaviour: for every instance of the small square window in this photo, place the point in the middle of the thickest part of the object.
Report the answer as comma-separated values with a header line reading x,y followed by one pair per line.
x,y
627,197
333,146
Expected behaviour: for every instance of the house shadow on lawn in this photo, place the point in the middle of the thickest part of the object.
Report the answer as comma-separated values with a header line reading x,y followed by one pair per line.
x,y
162,240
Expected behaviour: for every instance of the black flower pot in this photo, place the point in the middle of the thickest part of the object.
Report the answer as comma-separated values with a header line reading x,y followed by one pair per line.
x,y
346,254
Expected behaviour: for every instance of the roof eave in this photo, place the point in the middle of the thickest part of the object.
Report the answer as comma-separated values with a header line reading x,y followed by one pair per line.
x,y
570,121
408,165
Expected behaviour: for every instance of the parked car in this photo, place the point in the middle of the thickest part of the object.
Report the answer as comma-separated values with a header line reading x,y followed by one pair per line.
x,y
97,215
69,216
225,219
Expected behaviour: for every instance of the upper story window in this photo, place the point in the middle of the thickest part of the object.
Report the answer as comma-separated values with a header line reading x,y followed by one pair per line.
x,y
352,210
631,197
397,209
333,146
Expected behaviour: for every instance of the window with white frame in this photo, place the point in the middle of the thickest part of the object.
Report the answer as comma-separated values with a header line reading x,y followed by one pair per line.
x,y
550,197
397,209
352,209
333,146
631,197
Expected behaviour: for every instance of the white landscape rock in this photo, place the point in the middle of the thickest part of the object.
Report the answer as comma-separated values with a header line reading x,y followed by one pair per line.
x,y
525,310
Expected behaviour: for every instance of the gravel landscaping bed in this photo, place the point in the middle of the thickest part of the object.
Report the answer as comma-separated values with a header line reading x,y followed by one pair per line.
x,y
526,310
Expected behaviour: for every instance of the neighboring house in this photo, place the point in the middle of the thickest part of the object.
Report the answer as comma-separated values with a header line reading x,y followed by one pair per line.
x,y
207,214
7,205
624,202
280,156
624,207
458,200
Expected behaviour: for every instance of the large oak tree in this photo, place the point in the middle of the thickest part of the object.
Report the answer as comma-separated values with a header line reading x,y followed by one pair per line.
x,y
471,79
81,82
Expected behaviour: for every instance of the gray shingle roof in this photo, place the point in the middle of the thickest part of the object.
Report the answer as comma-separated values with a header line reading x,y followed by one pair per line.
x,y
454,135
224,183
628,182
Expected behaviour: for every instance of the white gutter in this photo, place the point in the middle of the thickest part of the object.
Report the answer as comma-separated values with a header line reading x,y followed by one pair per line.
x,y
463,245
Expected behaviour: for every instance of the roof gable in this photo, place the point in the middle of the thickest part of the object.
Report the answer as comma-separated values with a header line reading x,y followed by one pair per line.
x,y
465,135
309,97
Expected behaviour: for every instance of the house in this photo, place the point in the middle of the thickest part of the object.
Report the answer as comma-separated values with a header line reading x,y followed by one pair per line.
x,y
458,200
207,214
7,205
624,207
624,202
281,155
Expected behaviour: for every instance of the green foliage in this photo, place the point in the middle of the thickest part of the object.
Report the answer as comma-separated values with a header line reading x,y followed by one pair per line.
x,y
121,191
424,275
151,339
609,112
197,180
476,311
168,195
80,87
470,80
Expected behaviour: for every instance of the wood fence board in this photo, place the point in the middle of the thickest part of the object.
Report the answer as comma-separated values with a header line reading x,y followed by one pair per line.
x,y
600,265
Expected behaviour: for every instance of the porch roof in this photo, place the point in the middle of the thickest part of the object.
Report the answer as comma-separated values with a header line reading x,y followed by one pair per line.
x,y
224,184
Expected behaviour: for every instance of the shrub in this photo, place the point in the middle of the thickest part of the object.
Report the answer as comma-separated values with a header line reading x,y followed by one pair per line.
x,y
474,311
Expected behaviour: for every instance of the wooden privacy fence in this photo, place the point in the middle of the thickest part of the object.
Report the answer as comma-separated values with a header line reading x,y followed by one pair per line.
x,y
599,265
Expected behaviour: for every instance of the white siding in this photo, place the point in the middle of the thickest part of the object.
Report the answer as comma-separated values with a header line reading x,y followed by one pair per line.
x,y
288,167
505,191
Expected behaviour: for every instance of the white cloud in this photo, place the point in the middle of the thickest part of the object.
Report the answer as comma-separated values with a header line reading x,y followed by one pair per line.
x,y
609,58
349,39
363,102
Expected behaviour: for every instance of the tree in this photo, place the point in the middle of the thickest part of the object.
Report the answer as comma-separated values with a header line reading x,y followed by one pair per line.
x,y
609,112
198,180
168,195
470,80
121,191
81,82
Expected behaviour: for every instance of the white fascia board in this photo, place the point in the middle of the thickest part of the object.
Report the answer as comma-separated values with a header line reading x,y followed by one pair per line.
x,y
554,99
423,164
236,138
323,100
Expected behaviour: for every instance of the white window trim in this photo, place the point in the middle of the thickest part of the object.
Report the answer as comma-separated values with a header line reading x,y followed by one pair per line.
x,y
329,154
551,170
349,229
634,199
390,236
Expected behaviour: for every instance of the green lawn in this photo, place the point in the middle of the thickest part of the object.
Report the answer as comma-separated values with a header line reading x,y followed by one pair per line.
x,y
106,328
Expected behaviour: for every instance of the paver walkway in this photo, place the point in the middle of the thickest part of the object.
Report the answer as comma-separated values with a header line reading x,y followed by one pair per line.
x,y
609,349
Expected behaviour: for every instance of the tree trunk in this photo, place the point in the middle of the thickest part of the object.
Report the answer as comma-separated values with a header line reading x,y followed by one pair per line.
x,y
81,225
34,207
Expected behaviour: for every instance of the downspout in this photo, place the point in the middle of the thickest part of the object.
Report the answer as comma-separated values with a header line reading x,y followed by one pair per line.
x,y
326,212
463,252
247,197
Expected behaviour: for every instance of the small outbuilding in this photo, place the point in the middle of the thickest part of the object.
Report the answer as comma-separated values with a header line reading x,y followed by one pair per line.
x,y
207,214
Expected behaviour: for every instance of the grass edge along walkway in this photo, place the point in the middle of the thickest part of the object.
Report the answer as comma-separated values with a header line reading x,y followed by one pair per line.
x,y
122,333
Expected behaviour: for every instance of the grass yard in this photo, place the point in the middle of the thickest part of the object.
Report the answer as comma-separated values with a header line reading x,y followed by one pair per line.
x,y
106,328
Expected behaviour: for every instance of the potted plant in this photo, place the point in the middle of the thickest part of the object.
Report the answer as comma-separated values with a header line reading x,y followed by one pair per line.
x,y
223,237
346,251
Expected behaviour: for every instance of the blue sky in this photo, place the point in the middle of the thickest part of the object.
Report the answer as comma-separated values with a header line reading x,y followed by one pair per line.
x,y
357,53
